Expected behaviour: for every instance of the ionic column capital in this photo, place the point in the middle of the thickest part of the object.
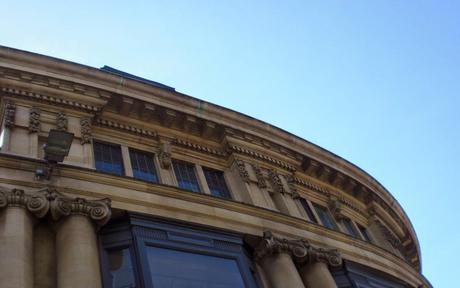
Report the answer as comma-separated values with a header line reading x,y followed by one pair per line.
x,y
313,255
271,245
97,210
301,251
35,202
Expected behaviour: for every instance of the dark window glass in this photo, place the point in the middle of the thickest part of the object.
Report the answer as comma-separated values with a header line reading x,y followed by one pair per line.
x,y
120,269
108,158
349,229
364,232
143,167
325,217
185,175
173,268
308,210
216,183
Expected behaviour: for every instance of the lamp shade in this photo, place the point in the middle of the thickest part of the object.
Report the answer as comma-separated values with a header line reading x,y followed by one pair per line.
x,y
58,145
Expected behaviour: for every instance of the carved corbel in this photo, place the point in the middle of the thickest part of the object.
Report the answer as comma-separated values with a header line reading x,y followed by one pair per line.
x,y
290,178
276,182
35,202
165,155
34,120
61,122
260,177
242,171
97,210
85,129
10,114
335,206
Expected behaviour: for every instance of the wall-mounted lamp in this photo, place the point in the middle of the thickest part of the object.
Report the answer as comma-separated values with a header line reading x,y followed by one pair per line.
x,y
56,149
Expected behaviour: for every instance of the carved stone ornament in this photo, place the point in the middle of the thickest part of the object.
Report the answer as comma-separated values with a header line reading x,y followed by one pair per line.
x,y
242,171
85,129
10,113
165,155
61,122
301,251
276,182
335,206
291,183
260,177
97,210
35,202
34,120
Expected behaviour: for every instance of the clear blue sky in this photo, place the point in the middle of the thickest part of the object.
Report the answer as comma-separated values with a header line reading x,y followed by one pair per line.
x,y
376,82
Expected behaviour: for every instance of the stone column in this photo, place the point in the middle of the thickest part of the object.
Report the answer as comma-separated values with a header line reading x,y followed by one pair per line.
x,y
16,236
274,255
76,240
313,263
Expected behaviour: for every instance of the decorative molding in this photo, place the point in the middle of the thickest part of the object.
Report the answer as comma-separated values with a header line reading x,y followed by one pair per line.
x,y
260,177
291,184
97,210
61,121
335,206
126,127
242,171
260,156
85,130
10,113
301,251
275,181
165,155
35,202
51,99
198,147
34,119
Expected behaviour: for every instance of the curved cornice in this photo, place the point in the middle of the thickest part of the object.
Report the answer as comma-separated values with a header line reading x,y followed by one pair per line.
x,y
94,89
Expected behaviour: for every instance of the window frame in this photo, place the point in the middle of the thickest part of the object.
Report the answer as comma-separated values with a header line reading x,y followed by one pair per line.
x,y
152,157
94,142
229,195
311,217
138,232
366,236
354,232
329,215
195,173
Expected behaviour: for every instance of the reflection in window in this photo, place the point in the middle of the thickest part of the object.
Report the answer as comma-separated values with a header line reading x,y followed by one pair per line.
x,y
325,217
172,268
121,269
142,165
216,183
185,175
108,158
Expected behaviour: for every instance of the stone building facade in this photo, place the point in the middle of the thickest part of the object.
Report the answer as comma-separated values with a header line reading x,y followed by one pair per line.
x,y
161,189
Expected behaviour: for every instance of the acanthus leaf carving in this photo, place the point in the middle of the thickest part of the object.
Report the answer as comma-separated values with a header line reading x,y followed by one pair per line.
x,y
10,113
242,171
61,121
34,120
276,182
259,176
85,130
